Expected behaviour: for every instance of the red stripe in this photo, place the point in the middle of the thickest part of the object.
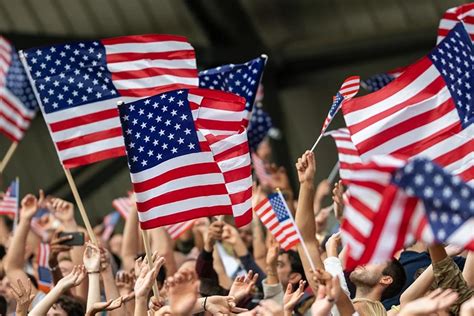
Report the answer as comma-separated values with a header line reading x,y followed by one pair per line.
x,y
184,216
432,89
396,85
408,211
14,123
94,157
131,57
89,138
182,172
14,107
152,72
353,231
83,120
217,95
349,152
467,174
233,152
240,197
454,155
377,187
145,38
243,219
237,174
362,208
226,105
292,244
219,125
181,195
9,135
421,226
406,126
146,92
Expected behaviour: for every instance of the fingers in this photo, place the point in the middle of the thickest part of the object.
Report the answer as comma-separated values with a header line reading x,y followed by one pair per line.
x,y
289,289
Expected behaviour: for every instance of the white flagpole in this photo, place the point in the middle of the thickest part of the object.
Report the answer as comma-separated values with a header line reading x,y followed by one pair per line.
x,y
305,249
316,142
17,189
333,173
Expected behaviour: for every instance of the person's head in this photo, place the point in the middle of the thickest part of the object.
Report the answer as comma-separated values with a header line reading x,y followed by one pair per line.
x,y
188,264
246,235
386,278
65,264
67,306
115,243
289,268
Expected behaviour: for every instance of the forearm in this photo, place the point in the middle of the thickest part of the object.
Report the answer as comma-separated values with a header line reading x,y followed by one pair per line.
x,y
468,272
15,257
344,305
272,276
45,304
76,258
93,294
111,290
130,242
419,287
437,253
140,307
258,243
161,242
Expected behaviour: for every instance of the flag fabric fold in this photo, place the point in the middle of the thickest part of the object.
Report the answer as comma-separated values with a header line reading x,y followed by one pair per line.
x,y
259,126
79,85
378,81
463,13
427,111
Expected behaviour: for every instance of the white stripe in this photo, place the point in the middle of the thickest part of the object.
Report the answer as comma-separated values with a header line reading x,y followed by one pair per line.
x,y
186,160
372,176
85,109
91,148
462,164
13,116
229,142
158,46
18,104
195,98
372,199
12,129
363,225
400,96
239,185
414,135
402,115
155,63
351,82
460,237
183,206
219,115
180,183
234,163
349,158
153,81
242,208
356,248
86,129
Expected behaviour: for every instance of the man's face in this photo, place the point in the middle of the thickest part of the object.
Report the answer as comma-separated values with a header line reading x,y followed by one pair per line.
x,y
284,271
246,235
116,244
367,275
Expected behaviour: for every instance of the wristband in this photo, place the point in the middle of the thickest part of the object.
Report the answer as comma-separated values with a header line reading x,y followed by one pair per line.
x,y
204,303
93,272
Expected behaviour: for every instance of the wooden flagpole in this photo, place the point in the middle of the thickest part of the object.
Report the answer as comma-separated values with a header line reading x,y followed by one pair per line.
x,y
146,243
8,156
82,210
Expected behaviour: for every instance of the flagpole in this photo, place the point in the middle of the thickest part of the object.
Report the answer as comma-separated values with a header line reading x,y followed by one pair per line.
x,y
82,210
17,189
69,177
305,249
333,173
316,142
146,243
8,156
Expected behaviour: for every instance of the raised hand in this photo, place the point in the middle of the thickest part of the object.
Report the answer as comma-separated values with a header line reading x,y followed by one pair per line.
x,y
62,210
328,295
183,292
306,167
23,297
91,258
230,234
323,189
214,233
146,276
243,285
222,305
290,299
272,253
104,259
74,278
437,301
333,244
56,248
124,282
110,305
29,206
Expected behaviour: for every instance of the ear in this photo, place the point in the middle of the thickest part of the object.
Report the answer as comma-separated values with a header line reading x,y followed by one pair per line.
x,y
294,278
386,280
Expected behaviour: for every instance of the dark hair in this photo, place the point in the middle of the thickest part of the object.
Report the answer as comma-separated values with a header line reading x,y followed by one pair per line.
x,y
295,262
3,306
71,306
395,270
33,280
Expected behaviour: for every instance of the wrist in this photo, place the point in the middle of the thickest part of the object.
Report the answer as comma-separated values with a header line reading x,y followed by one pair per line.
x,y
69,224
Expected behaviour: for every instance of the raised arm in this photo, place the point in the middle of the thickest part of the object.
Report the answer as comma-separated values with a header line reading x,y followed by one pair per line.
x,y
305,221
161,242
468,272
108,279
92,264
131,239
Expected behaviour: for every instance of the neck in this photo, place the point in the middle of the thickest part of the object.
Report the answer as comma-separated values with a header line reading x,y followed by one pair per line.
x,y
368,293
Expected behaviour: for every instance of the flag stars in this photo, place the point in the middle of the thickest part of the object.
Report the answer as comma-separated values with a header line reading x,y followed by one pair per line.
x,y
174,112
134,158
144,162
164,108
191,146
141,149
146,139
184,117
171,136
155,142
177,126
181,141
187,131
174,150
150,153
180,103
164,146
171,99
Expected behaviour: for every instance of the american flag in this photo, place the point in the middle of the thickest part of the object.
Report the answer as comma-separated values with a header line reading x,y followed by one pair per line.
x,y
261,173
427,111
123,205
348,90
9,204
347,153
378,81
241,79
394,201
17,101
260,124
176,230
177,173
45,278
452,16
110,221
277,218
79,85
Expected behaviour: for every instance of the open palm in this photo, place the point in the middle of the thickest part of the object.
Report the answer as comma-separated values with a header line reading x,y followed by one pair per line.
x,y
183,292
243,285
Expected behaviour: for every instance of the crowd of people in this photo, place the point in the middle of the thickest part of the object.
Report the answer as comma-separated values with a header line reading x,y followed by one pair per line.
x,y
215,268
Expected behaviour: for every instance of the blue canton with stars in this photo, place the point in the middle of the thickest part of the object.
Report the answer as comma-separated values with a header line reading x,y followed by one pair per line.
x,y
377,82
70,75
279,207
449,202
454,59
158,129
17,82
336,104
259,125
241,79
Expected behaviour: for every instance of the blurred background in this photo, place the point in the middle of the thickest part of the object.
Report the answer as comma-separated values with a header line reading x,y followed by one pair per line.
x,y
313,45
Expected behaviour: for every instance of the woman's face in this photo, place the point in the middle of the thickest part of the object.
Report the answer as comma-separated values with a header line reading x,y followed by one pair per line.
x,y
56,310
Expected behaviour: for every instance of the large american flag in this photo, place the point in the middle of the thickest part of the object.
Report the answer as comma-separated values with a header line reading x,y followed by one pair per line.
x,y
393,201
45,278
9,203
452,16
259,126
427,111
17,101
241,79
79,85
177,173
348,90
277,218
378,81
